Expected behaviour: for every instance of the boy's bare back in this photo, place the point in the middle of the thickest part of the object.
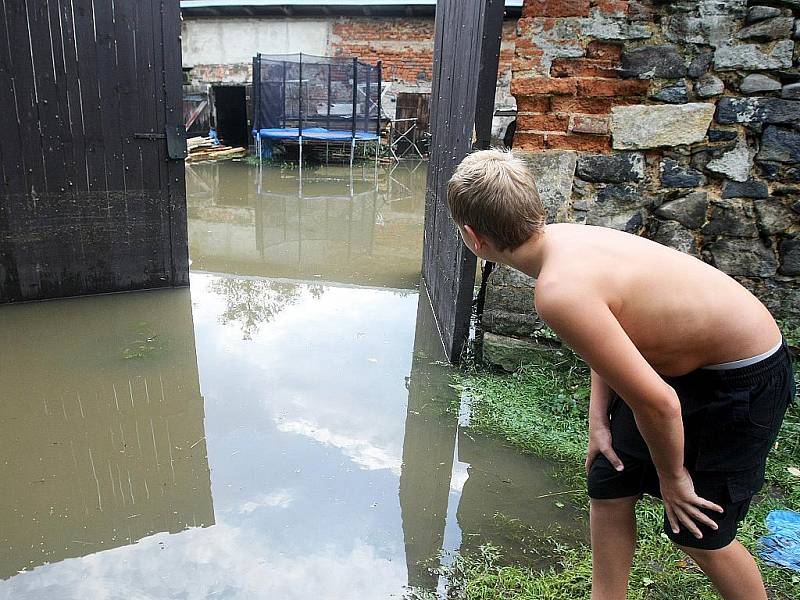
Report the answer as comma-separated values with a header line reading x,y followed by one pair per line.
x,y
647,319
679,312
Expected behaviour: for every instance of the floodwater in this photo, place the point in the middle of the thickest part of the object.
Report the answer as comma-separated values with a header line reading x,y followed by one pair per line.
x,y
278,431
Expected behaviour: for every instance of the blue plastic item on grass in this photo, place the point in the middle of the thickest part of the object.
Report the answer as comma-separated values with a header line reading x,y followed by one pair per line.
x,y
782,546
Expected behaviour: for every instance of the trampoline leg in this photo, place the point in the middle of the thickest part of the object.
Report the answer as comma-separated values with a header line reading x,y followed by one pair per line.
x,y
352,151
301,153
326,153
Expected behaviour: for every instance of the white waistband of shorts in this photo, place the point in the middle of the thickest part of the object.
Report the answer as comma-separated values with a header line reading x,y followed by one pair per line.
x,y
736,364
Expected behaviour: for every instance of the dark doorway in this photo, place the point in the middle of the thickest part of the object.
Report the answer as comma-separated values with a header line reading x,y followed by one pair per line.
x,y
230,106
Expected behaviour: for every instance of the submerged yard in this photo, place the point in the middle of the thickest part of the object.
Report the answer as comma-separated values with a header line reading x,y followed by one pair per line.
x,y
542,409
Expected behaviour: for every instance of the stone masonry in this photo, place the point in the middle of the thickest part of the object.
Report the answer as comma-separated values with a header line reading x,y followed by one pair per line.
x,y
678,121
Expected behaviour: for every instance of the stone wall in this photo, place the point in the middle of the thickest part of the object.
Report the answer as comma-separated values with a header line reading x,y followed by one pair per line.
x,y
678,121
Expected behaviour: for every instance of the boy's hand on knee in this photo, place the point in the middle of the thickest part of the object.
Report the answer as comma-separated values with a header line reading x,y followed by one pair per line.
x,y
600,443
683,506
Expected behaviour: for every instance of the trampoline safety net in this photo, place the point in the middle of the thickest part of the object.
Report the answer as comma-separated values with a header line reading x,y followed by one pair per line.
x,y
306,92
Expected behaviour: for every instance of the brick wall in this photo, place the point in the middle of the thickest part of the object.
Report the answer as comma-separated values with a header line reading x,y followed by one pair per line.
x,y
677,121
566,79
405,45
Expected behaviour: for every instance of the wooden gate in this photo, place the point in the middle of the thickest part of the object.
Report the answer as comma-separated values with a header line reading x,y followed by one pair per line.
x,y
467,51
92,195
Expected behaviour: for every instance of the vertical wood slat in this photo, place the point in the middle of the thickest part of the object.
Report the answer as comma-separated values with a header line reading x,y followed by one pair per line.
x,y
176,184
463,67
46,38
89,89
130,113
67,75
13,167
107,73
19,49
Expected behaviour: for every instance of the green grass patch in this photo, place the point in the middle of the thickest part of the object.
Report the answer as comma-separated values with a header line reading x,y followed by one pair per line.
x,y
543,409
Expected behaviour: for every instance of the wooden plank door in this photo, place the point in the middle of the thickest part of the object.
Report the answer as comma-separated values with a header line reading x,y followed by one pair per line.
x,y
467,50
91,200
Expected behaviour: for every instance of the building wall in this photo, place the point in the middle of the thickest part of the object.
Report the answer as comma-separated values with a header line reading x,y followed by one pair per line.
x,y
233,40
221,50
676,121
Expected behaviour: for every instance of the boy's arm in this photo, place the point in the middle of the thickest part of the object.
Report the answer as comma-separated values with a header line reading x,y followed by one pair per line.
x,y
587,324
599,425
599,399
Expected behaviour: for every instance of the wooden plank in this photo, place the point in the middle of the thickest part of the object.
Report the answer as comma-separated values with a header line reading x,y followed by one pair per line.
x,y
448,267
88,85
130,116
109,94
74,144
487,76
19,48
13,173
50,100
176,185
147,97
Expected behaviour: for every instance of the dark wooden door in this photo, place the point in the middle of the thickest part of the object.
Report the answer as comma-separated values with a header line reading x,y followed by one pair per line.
x,y
414,106
90,199
467,50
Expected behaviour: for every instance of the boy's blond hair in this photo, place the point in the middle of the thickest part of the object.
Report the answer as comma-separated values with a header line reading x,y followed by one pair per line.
x,y
494,193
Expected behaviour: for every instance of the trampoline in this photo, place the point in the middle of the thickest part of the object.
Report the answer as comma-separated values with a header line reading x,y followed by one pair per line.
x,y
304,99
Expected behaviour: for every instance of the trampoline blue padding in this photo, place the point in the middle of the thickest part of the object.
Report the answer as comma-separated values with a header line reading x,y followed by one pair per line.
x,y
315,133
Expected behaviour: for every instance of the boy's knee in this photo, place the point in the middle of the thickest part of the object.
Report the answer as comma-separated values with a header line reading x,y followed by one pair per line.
x,y
703,556
613,505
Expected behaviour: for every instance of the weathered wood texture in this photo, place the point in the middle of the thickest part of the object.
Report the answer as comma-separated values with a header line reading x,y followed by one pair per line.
x,y
86,205
467,48
415,106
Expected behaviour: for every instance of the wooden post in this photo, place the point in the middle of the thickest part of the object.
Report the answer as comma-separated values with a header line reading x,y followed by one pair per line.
x,y
459,80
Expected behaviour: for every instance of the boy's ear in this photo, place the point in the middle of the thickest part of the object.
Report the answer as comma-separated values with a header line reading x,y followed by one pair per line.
x,y
475,240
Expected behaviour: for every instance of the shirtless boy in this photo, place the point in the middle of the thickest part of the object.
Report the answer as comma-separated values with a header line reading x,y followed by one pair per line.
x,y
691,376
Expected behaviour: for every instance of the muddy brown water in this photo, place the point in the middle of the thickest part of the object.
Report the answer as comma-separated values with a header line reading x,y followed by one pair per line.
x,y
280,430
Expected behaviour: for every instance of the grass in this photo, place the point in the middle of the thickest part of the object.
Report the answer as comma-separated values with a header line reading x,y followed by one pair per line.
x,y
542,409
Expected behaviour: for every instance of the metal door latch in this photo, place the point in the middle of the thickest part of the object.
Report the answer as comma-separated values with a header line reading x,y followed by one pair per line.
x,y
176,140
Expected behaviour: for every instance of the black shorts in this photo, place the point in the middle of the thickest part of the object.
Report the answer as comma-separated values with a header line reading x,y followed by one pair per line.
x,y
731,419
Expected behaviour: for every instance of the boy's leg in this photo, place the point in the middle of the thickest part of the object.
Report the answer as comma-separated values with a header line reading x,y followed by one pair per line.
x,y
732,569
613,530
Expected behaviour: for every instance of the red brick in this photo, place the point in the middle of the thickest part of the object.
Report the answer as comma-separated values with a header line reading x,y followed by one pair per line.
x,y
592,124
542,85
584,67
614,7
528,122
533,104
566,104
612,87
580,142
603,50
556,8
528,141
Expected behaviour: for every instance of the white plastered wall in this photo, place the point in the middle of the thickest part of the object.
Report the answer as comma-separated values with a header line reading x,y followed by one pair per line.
x,y
228,41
